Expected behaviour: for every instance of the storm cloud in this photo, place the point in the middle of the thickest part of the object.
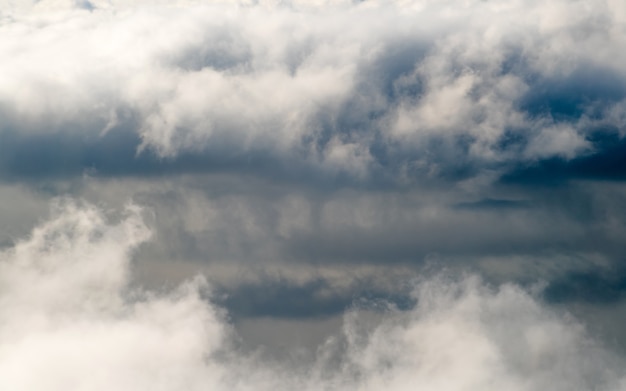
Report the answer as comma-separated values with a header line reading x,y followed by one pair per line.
x,y
308,156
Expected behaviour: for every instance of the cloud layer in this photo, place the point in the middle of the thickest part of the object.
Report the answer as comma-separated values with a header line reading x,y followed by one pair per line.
x,y
411,90
303,155
71,321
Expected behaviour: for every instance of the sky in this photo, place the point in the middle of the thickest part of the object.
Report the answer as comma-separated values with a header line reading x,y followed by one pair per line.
x,y
312,194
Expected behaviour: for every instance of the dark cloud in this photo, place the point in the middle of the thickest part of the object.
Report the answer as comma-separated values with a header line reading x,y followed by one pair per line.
x,y
317,153
606,163
573,94
490,203
402,103
283,299
314,299
603,288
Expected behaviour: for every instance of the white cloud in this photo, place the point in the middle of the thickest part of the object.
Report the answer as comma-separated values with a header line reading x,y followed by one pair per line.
x,y
372,90
275,78
353,89
71,321
557,140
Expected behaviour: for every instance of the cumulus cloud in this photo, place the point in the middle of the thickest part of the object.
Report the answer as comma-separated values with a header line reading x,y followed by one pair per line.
x,y
411,86
71,321
320,150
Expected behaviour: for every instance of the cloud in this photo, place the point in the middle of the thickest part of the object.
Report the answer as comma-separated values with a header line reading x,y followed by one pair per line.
x,y
304,154
415,89
72,322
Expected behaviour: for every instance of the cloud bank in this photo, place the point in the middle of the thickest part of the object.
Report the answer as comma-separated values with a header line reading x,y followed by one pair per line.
x,y
71,322
413,89
304,155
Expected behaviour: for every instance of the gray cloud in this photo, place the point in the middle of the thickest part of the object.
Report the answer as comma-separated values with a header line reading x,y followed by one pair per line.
x,y
398,95
306,154
70,277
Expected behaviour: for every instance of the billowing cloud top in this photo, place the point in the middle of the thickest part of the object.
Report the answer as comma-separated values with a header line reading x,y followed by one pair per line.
x,y
399,90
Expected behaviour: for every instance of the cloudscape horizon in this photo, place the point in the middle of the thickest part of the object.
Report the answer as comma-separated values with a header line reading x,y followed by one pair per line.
x,y
313,194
